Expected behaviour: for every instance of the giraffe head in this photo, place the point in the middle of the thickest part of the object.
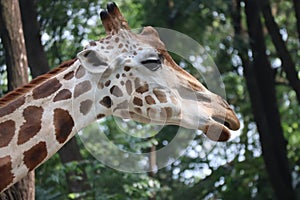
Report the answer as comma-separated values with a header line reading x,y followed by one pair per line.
x,y
139,80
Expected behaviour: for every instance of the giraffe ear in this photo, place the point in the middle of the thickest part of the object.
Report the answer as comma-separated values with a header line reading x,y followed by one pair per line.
x,y
92,61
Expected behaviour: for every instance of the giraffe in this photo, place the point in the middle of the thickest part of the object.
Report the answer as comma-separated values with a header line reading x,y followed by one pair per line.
x,y
124,74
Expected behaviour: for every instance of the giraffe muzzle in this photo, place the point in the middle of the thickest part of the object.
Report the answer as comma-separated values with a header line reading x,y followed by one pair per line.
x,y
222,123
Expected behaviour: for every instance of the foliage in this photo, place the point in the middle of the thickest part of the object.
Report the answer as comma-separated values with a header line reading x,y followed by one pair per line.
x,y
234,170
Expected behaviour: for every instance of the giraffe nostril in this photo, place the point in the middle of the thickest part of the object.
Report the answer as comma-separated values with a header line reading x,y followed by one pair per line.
x,y
230,121
227,124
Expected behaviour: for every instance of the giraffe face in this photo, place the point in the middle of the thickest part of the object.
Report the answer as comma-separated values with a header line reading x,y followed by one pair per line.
x,y
142,82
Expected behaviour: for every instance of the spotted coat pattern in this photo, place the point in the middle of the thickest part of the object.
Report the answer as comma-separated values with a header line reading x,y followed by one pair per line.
x,y
110,77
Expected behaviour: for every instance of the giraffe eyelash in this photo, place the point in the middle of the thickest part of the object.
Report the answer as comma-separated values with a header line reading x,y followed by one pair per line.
x,y
152,64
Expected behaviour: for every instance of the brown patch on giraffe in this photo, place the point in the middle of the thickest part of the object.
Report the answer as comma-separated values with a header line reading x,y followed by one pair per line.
x,y
138,110
69,75
82,88
106,102
12,106
140,87
120,46
107,83
117,76
116,91
19,92
110,47
137,101
99,116
7,131
160,95
35,156
46,89
32,125
108,38
168,111
80,72
86,106
63,123
139,118
100,85
143,89
127,69
117,39
6,176
149,99
63,95
121,106
128,85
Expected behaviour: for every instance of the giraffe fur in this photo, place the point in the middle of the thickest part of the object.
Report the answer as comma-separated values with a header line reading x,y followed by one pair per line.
x,y
126,75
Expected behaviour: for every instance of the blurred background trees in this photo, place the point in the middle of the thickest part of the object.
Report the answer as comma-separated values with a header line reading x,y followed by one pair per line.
x,y
255,45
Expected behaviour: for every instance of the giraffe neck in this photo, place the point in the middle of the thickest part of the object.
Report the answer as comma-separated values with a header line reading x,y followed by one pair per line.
x,y
36,124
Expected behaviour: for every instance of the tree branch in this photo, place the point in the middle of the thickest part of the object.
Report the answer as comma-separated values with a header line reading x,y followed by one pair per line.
x,y
297,13
288,64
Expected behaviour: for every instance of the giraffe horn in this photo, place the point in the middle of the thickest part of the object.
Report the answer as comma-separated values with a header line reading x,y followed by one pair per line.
x,y
112,19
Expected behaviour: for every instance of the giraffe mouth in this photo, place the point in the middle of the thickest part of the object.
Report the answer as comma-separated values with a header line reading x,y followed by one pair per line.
x,y
225,123
219,129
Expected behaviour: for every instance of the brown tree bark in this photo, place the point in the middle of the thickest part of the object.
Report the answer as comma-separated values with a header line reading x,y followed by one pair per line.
x,y
297,13
288,64
152,167
13,42
37,58
16,63
261,84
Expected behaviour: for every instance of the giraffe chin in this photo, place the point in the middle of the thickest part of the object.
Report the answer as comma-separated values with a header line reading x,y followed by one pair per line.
x,y
217,132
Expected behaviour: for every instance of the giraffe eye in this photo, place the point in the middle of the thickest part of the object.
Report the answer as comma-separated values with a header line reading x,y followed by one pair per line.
x,y
152,64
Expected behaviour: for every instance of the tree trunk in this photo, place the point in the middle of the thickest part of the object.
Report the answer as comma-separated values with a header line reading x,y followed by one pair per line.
x,y
288,64
16,62
297,13
37,58
13,42
152,167
265,108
